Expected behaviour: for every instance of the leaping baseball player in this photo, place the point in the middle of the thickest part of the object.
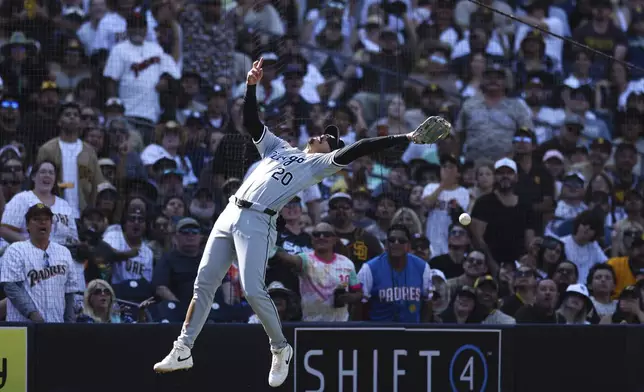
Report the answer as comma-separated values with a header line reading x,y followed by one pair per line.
x,y
247,226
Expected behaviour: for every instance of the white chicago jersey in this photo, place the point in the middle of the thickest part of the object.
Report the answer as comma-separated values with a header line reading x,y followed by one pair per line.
x,y
63,229
46,276
283,172
135,268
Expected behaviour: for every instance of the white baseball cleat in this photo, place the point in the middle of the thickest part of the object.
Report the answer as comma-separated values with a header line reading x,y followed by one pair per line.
x,y
180,358
280,366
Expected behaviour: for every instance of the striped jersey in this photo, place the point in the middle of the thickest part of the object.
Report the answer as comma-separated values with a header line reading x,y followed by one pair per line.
x,y
46,275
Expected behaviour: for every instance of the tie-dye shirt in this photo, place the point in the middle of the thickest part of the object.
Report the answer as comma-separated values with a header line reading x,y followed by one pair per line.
x,y
318,281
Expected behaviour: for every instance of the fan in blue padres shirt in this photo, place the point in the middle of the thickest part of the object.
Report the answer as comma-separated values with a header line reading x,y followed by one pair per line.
x,y
397,285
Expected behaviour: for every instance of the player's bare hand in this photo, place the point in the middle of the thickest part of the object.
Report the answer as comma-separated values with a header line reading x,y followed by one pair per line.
x,y
256,73
433,129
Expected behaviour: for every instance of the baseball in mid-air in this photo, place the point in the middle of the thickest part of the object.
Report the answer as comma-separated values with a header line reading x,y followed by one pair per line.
x,y
465,219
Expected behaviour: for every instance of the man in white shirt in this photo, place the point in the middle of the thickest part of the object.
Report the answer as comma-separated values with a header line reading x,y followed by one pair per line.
x,y
76,162
582,247
135,68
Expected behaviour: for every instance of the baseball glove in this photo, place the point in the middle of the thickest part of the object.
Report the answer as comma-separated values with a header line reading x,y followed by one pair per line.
x,y
431,130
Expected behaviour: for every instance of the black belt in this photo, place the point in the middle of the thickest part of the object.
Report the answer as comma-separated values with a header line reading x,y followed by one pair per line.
x,y
249,205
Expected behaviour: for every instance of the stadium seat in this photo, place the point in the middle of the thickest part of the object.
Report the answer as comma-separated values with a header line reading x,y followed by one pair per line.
x,y
167,312
134,290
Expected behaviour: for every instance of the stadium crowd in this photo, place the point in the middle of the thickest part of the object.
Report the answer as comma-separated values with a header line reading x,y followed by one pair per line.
x,y
121,139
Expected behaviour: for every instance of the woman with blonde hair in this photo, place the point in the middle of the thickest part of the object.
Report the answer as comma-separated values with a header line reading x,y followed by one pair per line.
x,y
407,217
625,231
170,139
99,305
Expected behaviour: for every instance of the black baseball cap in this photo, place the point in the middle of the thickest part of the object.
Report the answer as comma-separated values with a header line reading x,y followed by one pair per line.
x,y
638,241
466,291
602,145
450,158
630,292
38,210
486,279
525,131
335,142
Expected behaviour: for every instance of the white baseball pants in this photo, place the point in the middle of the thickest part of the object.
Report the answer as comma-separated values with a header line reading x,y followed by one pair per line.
x,y
250,235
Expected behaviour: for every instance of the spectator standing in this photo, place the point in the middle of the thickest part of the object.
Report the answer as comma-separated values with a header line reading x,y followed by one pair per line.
x,y
397,286
38,275
41,124
87,31
362,201
209,39
487,122
188,102
581,247
566,142
170,139
137,70
360,245
535,185
385,210
126,239
442,199
76,161
487,297
601,34
14,227
543,310
501,223
175,273
10,119
328,281
125,157
21,69
390,55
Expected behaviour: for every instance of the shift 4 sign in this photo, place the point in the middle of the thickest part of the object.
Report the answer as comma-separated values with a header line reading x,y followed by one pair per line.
x,y
13,359
397,360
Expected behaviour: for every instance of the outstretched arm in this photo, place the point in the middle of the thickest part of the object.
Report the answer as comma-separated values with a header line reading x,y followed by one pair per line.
x,y
368,146
430,131
252,123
